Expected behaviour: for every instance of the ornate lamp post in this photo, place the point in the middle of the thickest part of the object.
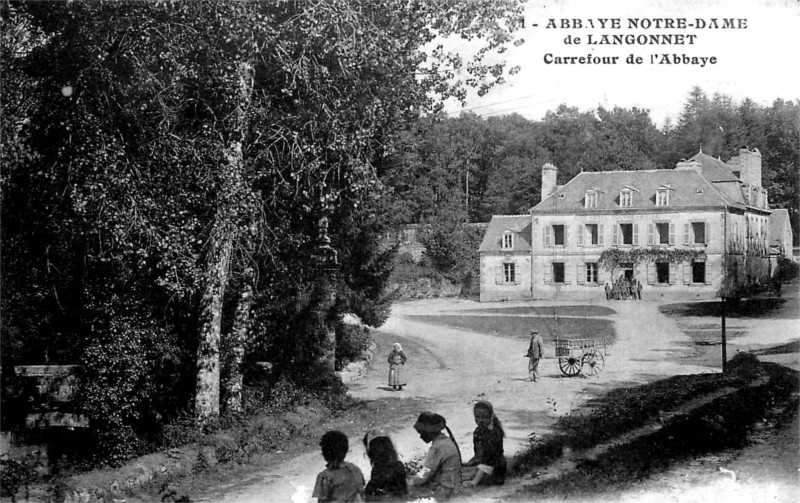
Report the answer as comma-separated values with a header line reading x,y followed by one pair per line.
x,y
327,262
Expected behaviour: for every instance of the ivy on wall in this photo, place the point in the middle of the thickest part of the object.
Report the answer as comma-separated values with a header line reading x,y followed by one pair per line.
x,y
613,257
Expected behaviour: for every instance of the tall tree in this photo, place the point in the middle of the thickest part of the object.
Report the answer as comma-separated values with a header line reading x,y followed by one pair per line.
x,y
195,144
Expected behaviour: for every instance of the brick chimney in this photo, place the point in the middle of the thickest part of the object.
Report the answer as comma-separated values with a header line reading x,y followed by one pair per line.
x,y
748,164
549,173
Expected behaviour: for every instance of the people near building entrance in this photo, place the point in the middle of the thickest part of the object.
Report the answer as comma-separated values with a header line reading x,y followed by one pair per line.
x,y
396,361
625,288
340,481
608,290
387,481
440,476
534,354
488,465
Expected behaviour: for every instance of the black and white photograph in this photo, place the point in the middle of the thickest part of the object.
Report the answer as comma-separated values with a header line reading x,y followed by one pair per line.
x,y
426,251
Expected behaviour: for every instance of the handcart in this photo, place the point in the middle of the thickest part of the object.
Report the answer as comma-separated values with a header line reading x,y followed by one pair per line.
x,y
575,354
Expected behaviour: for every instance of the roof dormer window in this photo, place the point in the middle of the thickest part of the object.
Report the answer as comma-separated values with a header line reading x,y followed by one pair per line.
x,y
590,200
626,198
508,241
662,196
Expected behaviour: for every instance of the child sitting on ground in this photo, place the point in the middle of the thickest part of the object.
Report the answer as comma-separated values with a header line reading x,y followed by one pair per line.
x,y
488,466
387,481
340,481
441,468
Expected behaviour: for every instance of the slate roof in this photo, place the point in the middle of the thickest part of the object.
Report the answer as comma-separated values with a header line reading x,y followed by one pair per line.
x,y
778,221
714,170
520,225
687,189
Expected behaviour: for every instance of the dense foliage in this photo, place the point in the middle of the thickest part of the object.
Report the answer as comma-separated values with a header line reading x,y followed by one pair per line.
x,y
165,167
502,156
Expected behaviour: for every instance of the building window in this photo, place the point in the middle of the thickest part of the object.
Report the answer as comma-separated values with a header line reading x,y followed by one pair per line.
x,y
558,272
626,230
591,272
662,229
592,234
508,273
558,235
698,272
662,272
508,241
662,197
590,201
699,233
555,235
626,198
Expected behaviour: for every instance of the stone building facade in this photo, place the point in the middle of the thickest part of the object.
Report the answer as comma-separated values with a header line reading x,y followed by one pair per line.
x,y
684,232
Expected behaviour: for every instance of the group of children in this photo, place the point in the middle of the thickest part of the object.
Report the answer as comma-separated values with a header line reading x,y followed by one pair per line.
x,y
442,475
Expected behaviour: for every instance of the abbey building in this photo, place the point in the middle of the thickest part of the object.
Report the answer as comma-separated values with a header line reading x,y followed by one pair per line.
x,y
689,231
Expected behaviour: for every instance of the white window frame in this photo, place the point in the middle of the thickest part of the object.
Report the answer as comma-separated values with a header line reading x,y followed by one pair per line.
x,y
590,199
626,198
662,197
509,273
507,242
591,273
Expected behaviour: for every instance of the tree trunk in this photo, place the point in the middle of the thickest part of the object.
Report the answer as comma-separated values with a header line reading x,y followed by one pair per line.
x,y
208,368
223,237
238,337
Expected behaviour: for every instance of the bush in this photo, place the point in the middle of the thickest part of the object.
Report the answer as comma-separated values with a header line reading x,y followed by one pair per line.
x,y
351,341
787,269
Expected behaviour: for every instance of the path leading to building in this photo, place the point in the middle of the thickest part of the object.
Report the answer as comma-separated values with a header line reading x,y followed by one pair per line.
x,y
449,369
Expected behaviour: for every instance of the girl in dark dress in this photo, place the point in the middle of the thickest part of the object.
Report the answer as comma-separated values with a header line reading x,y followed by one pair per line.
x,y
488,466
388,478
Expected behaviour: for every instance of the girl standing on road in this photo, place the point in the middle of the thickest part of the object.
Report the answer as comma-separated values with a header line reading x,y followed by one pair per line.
x,y
340,481
488,465
387,481
441,468
396,360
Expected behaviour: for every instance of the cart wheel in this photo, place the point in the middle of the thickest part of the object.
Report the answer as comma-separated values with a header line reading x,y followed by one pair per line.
x,y
594,361
570,366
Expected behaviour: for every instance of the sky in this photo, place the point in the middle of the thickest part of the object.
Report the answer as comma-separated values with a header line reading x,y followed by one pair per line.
x,y
760,60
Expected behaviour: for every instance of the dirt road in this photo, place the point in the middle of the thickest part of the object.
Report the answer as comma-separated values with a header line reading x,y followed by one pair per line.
x,y
449,369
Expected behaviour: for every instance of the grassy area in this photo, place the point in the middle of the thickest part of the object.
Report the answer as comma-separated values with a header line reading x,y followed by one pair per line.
x,y
757,307
516,326
548,311
758,391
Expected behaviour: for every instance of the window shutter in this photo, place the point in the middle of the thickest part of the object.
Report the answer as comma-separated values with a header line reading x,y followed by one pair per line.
x,y
635,234
708,274
686,228
600,235
651,274
580,277
687,273
707,232
581,231
671,234
672,273
517,279
615,235
547,232
650,235
566,235
567,273
498,274
548,273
